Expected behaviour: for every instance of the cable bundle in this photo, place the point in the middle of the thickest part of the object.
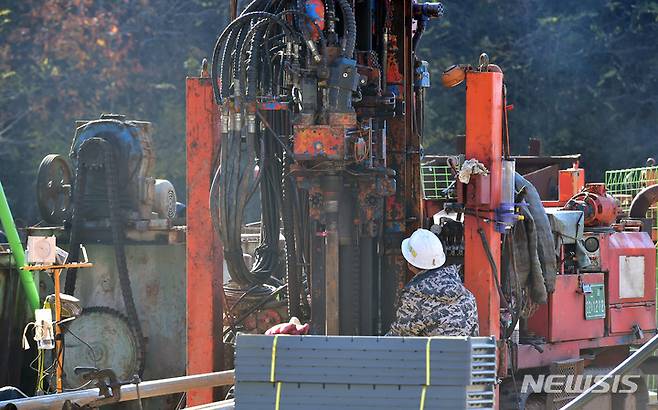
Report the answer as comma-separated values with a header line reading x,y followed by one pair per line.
x,y
263,56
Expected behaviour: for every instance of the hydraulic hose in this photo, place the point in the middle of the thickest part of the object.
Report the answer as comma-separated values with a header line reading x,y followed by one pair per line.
x,y
420,29
243,19
246,63
494,268
349,27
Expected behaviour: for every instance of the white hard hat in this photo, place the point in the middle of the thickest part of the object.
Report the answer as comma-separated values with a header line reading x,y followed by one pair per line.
x,y
423,250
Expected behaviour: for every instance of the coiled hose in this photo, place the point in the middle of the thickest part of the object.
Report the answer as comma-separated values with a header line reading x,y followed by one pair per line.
x,y
245,64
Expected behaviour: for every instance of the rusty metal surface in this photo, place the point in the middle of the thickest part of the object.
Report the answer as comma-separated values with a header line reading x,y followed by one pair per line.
x,y
332,280
319,142
204,252
403,213
571,181
158,283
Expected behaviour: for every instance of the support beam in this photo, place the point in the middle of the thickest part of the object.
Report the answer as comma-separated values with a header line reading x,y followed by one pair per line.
x,y
484,111
204,250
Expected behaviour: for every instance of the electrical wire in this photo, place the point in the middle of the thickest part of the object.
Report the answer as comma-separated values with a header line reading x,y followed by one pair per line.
x,y
91,349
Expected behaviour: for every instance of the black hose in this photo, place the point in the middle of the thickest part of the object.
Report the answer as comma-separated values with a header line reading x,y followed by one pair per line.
x,y
243,19
225,68
322,37
249,71
255,307
349,28
420,29
243,59
293,278
494,268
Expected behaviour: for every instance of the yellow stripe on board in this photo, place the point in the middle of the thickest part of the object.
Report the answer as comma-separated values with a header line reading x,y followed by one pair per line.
x,y
278,396
273,365
422,398
427,362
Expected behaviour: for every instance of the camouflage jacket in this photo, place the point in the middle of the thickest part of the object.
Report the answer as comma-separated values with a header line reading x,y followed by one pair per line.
x,y
436,303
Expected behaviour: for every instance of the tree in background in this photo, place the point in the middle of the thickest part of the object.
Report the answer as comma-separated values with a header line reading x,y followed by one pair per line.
x,y
65,60
580,74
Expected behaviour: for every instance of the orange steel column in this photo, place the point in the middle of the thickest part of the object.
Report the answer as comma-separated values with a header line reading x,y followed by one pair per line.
x,y
484,111
204,251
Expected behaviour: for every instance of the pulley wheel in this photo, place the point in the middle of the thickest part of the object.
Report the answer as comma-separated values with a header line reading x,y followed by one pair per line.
x,y
54,181
101,338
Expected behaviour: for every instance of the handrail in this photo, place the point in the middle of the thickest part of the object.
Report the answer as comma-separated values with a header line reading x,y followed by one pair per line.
x,y
151,388
632,362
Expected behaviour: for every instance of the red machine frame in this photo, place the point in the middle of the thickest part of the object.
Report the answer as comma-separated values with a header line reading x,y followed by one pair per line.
x,y
484,142
485,107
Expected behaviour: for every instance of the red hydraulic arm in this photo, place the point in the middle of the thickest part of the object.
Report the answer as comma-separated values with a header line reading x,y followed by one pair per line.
x,y
204,250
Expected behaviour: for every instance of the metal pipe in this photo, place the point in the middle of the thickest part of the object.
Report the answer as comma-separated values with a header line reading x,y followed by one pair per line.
x,y
152,388
17,250
632,362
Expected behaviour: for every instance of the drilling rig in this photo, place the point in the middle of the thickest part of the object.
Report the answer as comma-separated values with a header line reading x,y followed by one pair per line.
x,y
330,116
310,113
318,106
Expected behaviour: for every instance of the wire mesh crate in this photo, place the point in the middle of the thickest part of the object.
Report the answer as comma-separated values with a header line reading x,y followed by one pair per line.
x,y
437,181
625,184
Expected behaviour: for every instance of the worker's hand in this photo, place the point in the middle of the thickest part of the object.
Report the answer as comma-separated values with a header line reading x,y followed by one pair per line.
x,y
294,327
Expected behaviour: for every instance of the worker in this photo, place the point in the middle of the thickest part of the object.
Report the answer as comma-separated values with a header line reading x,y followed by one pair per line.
x,y
434,302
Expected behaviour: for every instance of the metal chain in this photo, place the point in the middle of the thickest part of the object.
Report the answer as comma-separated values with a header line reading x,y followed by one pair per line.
x,y
76,219
117,224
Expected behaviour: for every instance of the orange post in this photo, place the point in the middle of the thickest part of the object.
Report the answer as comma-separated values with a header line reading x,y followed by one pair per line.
x,y
484,112
58,332
204,251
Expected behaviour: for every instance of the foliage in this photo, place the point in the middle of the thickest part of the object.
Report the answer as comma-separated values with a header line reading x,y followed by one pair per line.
x,y
581,75
67,60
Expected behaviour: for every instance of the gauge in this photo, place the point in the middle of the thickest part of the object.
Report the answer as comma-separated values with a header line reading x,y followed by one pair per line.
x,y
592,244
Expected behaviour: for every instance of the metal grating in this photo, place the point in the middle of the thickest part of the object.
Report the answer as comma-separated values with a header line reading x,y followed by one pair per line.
x,y
571,367
364,372
437,182
625,184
